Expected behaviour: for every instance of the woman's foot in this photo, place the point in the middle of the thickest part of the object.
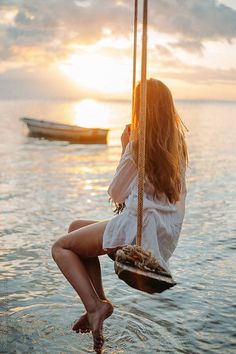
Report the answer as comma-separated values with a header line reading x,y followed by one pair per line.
x,y
95,320
82,324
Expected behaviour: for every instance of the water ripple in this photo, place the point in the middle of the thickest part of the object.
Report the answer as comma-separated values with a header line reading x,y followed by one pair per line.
x,y
45,185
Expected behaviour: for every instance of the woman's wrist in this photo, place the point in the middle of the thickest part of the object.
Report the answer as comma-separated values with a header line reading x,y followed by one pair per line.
x,y
125,137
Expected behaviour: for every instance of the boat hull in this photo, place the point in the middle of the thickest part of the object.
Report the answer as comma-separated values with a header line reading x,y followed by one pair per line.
x,y
74,134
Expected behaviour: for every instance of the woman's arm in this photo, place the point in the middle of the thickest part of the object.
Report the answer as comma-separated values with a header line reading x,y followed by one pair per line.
x,y
120,186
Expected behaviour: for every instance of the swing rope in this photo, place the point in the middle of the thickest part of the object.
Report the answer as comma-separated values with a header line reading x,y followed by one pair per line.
x,y
142,127
136,266
134,55
136,255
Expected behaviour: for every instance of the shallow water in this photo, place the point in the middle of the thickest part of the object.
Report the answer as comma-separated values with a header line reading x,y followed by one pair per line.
x,y
45,185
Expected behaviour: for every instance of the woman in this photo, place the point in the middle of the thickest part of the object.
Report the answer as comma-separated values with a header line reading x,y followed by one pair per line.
x,y
76,254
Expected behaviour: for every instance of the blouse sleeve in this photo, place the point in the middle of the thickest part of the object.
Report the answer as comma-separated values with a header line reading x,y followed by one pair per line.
x,y
120,186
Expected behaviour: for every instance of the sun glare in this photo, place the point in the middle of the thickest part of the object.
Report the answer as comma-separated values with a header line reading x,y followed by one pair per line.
x,y
90,113
98,72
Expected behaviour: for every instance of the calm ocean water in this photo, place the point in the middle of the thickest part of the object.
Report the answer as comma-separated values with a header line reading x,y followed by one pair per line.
x,y
45,185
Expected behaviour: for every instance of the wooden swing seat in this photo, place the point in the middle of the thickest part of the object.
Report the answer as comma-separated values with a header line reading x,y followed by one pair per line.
x,y
133,271
147,281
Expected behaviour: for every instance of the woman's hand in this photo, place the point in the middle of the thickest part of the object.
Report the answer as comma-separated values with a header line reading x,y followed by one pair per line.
x,y
125,137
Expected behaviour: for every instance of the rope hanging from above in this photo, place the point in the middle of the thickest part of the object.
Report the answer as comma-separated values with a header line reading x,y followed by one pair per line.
x,y
134,54
142,127
137,267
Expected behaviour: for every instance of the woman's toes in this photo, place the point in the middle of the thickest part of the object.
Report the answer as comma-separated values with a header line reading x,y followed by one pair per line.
x,y
98,344
82,324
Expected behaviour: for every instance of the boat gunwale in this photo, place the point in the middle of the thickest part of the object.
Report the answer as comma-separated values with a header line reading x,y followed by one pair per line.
x,y
59,126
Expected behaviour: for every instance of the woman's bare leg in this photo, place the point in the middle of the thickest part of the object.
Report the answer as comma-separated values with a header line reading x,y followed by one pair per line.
x,y
93,268
92,264
67,253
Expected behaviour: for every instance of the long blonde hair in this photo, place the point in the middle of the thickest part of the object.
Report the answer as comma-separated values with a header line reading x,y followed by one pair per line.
x,y
166,150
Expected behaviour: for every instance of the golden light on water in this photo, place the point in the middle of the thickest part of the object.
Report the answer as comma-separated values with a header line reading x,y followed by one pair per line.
x,y
98,72
91,113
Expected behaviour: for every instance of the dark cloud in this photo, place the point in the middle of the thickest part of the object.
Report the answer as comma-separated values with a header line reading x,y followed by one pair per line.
x,y
195,20
41,23
192,46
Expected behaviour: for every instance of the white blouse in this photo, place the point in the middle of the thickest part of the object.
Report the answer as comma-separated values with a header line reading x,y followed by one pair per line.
x,y
162,220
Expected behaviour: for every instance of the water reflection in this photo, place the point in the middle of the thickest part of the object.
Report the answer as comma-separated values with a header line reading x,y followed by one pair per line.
x,y
46,184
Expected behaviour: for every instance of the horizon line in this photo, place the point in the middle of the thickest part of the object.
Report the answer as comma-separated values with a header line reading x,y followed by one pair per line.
x,y
117,100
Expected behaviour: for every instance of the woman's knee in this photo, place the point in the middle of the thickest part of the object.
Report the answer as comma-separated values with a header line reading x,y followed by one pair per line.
x,y
75,225
56,249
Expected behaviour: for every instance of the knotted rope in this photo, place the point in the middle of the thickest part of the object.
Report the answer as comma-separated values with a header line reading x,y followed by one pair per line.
x,y
136,256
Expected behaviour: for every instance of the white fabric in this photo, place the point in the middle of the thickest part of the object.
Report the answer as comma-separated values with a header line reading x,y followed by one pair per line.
x,y
162,220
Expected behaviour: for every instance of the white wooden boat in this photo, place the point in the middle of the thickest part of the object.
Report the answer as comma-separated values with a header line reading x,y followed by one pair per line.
x,y
72,133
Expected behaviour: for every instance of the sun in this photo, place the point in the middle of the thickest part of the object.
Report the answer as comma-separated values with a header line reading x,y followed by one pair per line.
x,y
91,113
97,72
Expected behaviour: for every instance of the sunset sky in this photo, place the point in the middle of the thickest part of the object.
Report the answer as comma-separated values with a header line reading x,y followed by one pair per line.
x,y
69,49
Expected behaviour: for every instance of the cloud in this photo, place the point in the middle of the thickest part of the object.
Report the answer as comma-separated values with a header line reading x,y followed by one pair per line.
x,y
194,19
40,83
164,64
48,83
200,75
35,33
189,45
53,24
